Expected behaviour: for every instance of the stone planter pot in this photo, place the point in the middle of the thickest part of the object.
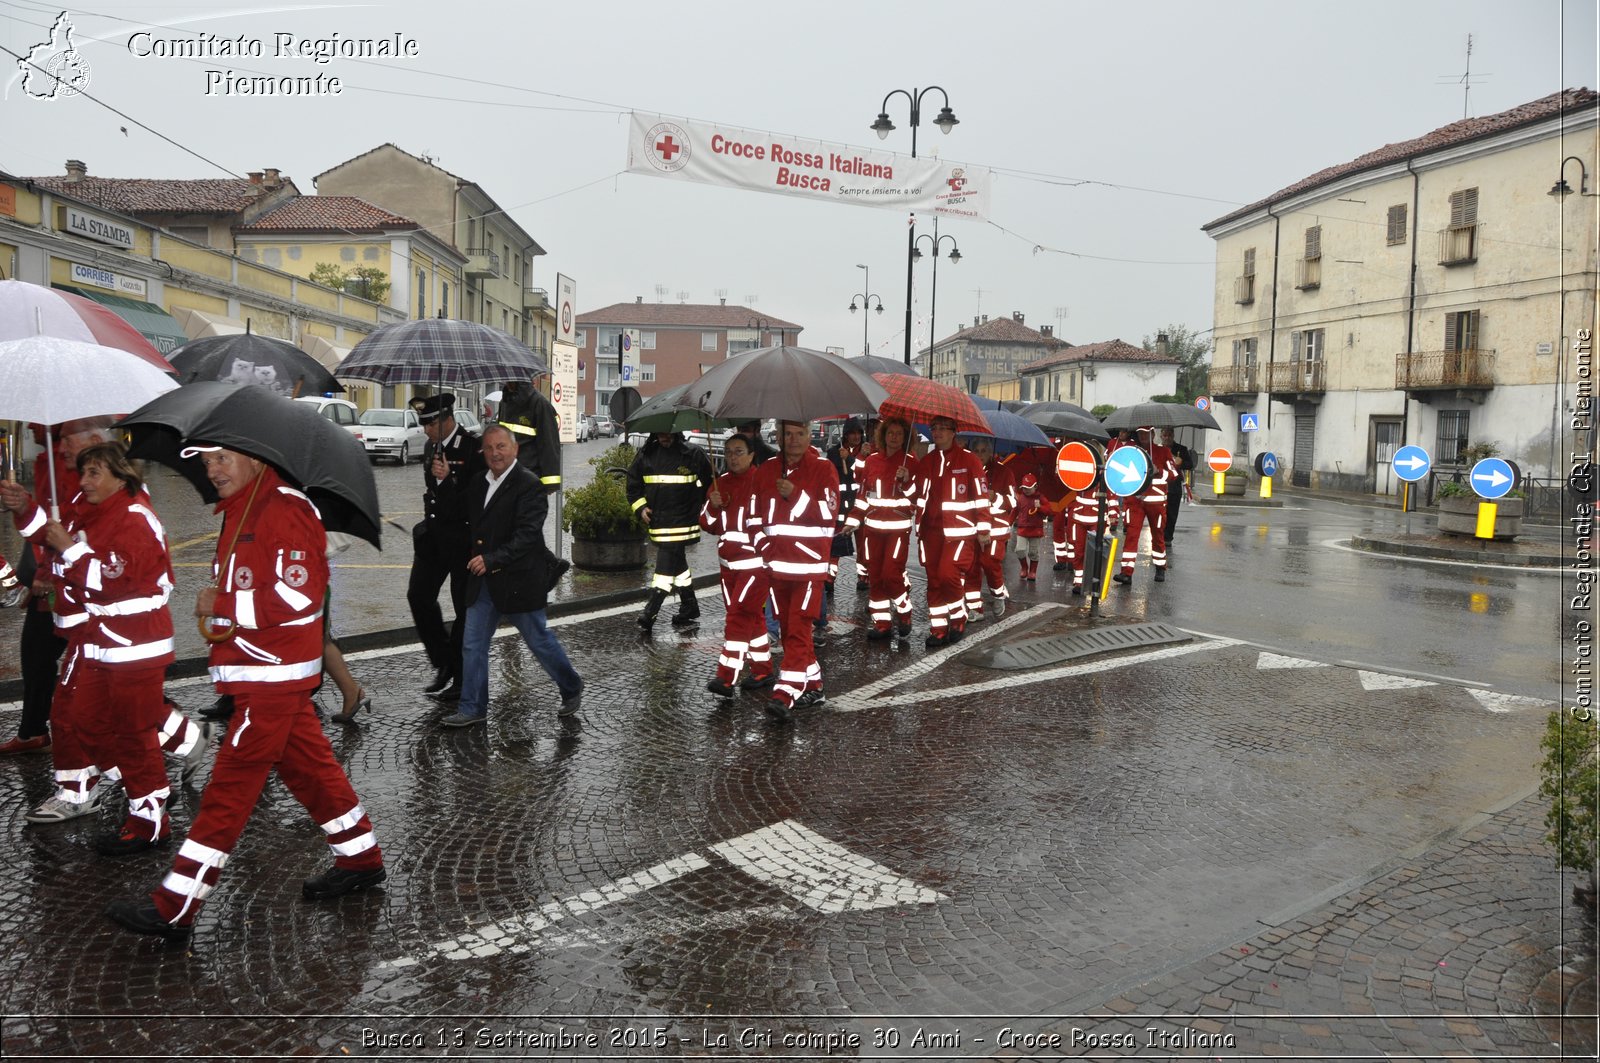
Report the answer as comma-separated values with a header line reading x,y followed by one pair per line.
x,y
1233,483
610,555
1458,515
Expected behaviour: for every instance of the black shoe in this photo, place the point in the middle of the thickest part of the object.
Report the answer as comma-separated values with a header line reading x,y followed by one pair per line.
x,y
1122,577
685,617
810,699
441,679
778,711
957,634
1059,566
652,609
449,693
903,630
862,585
1077,588
337,881
571,705
750,682
220,709
721,690
878,634
141,917
561,569
126,843
1161,575
936,642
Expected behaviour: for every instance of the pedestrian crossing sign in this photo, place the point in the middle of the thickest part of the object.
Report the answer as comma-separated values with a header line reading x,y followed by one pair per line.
x,y
1248,423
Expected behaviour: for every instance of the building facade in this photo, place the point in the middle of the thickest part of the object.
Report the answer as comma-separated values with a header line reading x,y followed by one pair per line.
x,y
678,342
987,354
1112,373
1430,292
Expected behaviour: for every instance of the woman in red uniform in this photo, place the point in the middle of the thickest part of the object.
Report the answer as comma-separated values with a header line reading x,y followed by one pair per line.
x,y
885,487
729,514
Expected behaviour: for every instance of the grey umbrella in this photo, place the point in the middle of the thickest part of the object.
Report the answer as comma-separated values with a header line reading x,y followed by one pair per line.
x,y
788,383
1066,424
1160,415
1056,407
441,352
871,363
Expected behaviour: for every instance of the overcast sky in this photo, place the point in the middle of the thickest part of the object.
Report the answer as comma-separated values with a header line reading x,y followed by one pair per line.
x,y
1116,130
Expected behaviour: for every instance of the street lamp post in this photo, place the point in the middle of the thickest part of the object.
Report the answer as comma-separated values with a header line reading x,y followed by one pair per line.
x,y
762,324
946,121
933,299
866,304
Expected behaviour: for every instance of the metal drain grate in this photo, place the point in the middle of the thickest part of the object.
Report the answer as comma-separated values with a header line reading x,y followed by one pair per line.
x,y
1054,649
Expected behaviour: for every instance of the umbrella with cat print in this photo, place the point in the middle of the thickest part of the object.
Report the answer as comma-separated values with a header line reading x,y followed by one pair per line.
x,y
277,365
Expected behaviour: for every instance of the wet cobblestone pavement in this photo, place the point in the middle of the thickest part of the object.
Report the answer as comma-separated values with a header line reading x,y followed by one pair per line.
x,y
1308,859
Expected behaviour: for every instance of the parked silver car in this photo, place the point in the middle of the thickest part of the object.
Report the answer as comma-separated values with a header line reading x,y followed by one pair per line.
x,y
393,434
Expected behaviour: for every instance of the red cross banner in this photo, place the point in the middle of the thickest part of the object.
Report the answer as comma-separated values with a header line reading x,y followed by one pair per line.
x,y
775,162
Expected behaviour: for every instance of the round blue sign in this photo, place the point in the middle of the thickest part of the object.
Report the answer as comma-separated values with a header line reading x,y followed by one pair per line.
x,y
1492,478
1267,463
1127,468
1411,463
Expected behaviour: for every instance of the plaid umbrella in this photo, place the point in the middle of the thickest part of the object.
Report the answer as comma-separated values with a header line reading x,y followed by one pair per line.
x,y
920,400
1160,415
440,352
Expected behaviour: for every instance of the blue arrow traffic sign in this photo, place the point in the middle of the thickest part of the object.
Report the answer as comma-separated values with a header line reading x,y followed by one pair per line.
x,y
1126,470
1248,423
1269,464
1411,463
1492,478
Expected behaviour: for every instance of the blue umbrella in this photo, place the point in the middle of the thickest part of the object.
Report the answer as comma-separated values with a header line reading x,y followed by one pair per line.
x,y
1009,428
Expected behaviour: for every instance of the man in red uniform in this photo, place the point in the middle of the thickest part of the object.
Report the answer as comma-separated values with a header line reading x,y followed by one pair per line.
x,y
729,514
992,555
1085,516
797,502
272,576
883,511
1148,505
952,525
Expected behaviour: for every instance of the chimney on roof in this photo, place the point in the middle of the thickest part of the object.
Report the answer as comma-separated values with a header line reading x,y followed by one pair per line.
x,y
1016,315
1047,331
255,177
76,171
638,299
1161,344
974,320
985,319
723,301
270,180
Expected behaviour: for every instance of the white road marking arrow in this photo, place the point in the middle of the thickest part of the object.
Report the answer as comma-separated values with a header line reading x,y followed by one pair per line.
x,y
1495,701
1494,476
1384,681
1277,660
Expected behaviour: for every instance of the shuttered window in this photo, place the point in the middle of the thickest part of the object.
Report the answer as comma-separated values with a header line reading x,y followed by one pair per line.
x,y
1250,262
1461,331
1397,224
1463,208
1314,242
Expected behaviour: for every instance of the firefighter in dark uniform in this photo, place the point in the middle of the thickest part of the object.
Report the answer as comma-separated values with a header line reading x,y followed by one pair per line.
x,y
531,418
440,541
667,485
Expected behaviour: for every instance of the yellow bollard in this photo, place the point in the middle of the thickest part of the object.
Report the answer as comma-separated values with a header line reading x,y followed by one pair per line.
x,y
1111,564
1266,487
1486,512
1219,483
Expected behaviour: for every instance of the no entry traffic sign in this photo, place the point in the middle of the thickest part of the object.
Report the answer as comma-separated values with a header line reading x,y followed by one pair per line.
x,y
1220,459
1076,466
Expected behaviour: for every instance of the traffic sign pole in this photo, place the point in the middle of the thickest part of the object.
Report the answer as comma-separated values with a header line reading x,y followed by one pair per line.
x,y
1219,483
1486,515
1266,487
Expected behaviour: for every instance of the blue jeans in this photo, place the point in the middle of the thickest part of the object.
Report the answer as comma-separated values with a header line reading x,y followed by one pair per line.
x,y
482,619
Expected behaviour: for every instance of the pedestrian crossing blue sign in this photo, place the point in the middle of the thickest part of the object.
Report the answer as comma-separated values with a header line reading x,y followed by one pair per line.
x,y
1248,423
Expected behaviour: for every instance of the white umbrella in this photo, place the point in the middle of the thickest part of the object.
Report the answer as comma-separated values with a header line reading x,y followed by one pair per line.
x,y
51,380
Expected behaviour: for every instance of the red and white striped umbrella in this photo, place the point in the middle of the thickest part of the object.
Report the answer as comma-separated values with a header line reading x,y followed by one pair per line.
x,y
33,310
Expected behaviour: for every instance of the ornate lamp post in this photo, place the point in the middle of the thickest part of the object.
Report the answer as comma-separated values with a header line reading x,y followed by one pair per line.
x,y
866,304
933,300
883,127
761,324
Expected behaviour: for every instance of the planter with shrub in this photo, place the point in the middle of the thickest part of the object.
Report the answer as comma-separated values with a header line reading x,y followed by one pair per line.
x,y
1458,511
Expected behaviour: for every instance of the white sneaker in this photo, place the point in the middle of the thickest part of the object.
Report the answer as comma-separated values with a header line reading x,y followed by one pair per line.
x,y
196,756
58,809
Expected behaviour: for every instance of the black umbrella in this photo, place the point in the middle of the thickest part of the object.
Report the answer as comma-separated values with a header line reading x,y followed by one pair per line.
x,y
787,383
310,451
1065,423
441,352
1056,407
276,365
1160,415
871,363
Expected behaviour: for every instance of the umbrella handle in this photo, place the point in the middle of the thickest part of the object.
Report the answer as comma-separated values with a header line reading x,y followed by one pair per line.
x,y
204,623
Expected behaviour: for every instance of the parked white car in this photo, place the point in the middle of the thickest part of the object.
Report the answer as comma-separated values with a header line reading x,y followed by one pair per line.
x,y
585,428
341,412
393,434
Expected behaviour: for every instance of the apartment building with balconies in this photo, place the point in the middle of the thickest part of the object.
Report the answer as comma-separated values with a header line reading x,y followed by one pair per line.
x,y
1430,292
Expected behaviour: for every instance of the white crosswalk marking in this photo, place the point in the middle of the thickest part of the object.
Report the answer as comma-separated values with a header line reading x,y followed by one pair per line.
x,y
1495,701
1277,660
819,873
1384,681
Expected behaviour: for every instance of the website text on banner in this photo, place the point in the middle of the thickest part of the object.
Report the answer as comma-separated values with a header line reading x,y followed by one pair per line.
x,y
774,162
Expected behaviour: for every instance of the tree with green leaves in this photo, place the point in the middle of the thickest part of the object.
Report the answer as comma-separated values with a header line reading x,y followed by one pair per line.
x,y
1193,353
364,282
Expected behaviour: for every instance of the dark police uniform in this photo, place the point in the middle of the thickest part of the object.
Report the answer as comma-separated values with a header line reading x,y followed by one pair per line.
x,y
440,543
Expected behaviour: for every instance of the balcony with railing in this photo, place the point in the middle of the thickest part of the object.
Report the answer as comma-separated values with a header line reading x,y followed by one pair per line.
x,y
1232,380
1244,289
1297,378
1469,369
482,262
1458,246
535,299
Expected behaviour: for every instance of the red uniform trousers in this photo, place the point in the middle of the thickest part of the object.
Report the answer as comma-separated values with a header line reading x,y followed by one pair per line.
x,y
1061,535
885,554
990,568
1136,511
951,565
121,713
798,604
270,730
744,636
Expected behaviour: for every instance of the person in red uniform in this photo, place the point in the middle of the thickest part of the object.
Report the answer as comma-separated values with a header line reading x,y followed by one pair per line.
x,y
885,487
992,556
1031,513
272,575
797,502
1148,506
952,525
1084,514
729,514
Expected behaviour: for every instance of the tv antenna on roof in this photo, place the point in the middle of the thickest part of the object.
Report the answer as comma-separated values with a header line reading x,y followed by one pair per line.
x,y
683,297
1464,79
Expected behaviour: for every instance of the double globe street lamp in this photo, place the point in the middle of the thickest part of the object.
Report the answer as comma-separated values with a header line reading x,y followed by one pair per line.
x,y
866,304
946,121
933,299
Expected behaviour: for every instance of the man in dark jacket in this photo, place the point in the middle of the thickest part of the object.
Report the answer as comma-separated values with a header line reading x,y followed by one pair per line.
x,y
533,421
667,485
439,542
506,578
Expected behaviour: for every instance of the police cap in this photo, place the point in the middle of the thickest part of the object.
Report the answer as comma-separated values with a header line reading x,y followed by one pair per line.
x,y
434,407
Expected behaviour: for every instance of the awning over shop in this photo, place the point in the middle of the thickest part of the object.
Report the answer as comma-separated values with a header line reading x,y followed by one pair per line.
x,y
198,323
154,323
327,352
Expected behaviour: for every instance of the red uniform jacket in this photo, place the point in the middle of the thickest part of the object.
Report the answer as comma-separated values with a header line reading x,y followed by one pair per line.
x,y
271,588
795,533
952,493
883,503
734,523
1031,513
1002,499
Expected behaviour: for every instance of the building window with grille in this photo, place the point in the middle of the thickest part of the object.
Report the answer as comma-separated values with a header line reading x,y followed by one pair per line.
x,y
1452,436
1397,224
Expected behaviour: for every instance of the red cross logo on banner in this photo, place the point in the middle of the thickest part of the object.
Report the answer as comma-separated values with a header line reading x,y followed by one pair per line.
x,y
669,146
